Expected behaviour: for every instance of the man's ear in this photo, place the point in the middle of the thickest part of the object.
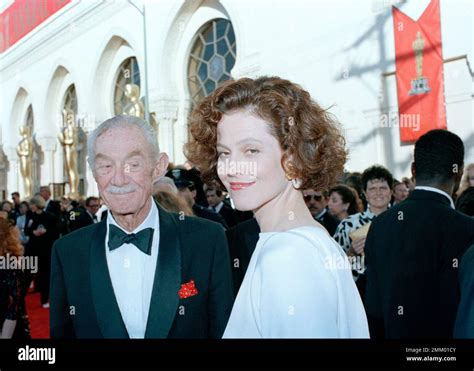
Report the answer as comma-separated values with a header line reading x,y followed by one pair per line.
x,y
413,170
161,166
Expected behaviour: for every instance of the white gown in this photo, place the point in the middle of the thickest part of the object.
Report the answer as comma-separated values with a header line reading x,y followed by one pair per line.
x,y
298,285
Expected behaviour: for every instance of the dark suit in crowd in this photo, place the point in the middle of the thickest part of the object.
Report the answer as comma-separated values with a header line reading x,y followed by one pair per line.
x,y
205,213
412,255
40,246
242,240
328,222
53,207
464,326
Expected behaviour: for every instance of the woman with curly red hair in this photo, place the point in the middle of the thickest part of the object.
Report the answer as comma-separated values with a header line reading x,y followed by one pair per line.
x,y
265,140
13,319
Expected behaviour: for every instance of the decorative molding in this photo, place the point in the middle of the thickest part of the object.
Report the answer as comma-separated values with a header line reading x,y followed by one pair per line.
x,y
247,66
47,39
165,106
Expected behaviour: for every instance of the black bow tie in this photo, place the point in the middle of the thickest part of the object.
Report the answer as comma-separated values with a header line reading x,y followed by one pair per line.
x,y
143,239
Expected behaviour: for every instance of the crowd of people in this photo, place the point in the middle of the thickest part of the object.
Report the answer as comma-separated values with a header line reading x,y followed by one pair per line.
x,y
405,240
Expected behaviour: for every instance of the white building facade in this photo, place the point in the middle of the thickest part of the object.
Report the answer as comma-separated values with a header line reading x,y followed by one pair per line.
x,y
341,51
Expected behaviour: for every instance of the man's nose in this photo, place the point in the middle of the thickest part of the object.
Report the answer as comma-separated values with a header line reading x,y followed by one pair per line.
x,y
120,176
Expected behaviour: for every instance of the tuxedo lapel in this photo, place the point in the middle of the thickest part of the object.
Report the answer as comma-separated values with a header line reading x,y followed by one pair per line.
x,y
106,308
167,281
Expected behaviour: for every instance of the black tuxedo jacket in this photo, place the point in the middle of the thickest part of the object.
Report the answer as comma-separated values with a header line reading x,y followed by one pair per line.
x,y
412,254
83,303
242,241
329,222
229,215
53,208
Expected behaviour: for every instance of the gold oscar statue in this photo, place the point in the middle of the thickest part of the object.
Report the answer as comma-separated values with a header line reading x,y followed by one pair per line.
x,y
69,139
418,46
25,153
419,85
134,107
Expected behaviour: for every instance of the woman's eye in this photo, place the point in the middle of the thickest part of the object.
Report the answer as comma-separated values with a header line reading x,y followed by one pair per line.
x,y
252,151
222,154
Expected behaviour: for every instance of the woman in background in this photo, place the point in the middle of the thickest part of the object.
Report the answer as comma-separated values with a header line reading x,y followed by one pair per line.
x,y
343,201
13,318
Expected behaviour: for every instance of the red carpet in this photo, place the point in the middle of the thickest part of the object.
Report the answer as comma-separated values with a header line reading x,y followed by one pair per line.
x,y
39,316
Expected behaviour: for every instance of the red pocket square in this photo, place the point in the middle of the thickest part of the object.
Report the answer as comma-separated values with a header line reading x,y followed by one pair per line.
x,y
187,290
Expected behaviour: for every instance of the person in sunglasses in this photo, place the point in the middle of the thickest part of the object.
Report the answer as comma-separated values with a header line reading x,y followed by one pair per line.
x,y
317,203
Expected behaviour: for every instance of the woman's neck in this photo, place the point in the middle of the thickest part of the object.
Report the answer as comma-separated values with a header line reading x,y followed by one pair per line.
x,y
343,215
286,211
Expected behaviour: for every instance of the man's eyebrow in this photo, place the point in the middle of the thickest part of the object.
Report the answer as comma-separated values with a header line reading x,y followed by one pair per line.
x,y
137,152
101,156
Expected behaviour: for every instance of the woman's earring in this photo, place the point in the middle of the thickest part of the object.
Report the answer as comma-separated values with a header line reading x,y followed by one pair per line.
x,y
296,182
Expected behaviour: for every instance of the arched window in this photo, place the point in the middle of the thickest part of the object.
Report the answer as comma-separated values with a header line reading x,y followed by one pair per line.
x,y
212,58
29,118
70,99
128,73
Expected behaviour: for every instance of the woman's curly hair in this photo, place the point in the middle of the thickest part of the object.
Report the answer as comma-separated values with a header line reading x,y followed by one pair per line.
x,y
9,239
313,147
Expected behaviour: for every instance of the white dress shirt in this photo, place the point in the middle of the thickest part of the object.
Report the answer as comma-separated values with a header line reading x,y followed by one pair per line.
x,y
217,208
436,190
132,273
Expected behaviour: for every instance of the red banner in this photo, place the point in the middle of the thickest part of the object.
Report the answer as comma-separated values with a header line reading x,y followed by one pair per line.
x,y
23,16
419,71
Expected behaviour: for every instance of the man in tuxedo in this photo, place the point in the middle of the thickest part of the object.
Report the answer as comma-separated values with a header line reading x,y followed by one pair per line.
x,y
52,206
413,249
90,215
141,272
215,199
317,204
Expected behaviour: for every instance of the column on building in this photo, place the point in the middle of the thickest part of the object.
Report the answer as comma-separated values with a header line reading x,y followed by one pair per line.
x,y
49,145
13,183
166,115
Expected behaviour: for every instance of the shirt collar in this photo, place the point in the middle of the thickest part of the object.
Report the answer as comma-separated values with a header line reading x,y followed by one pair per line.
x,y
437,190
219,206
149,222
321,214
368,213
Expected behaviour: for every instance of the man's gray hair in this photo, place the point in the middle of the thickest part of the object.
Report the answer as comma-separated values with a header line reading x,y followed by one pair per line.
x,y
122,121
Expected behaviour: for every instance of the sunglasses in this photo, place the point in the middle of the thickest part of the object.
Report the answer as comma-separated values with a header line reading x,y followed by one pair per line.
x,y
308,198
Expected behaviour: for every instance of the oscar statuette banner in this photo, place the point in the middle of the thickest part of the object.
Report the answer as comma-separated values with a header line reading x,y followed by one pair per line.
x,y
419,72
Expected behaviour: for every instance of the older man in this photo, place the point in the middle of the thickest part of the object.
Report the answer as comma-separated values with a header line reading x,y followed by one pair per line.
x,y
140,272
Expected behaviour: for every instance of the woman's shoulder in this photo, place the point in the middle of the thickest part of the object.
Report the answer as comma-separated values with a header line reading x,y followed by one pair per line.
x,y
296,244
